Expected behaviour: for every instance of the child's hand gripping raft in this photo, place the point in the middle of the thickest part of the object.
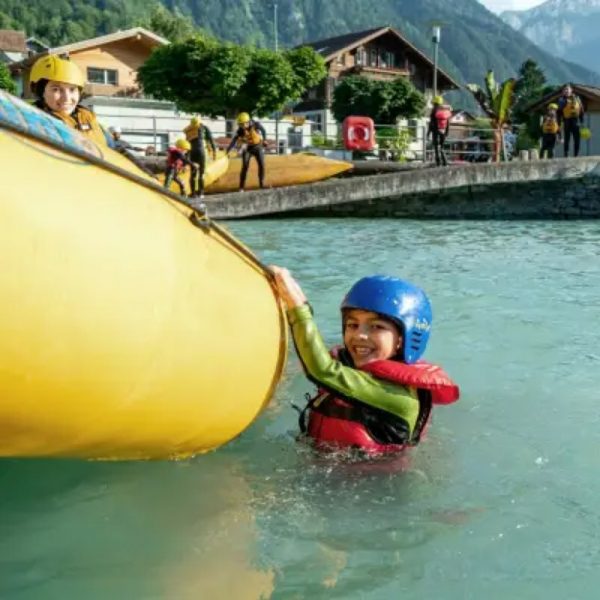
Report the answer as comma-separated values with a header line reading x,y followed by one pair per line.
x,y
374,392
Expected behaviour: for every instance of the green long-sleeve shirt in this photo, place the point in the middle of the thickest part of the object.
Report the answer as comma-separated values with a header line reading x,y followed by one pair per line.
x,y
348,382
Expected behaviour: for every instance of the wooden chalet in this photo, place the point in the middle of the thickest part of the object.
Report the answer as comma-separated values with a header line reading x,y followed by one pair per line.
x,y
380,53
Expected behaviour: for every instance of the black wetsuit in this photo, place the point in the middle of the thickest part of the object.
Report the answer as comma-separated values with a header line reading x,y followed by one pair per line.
x,y
253,138
198,156
571,123
439,134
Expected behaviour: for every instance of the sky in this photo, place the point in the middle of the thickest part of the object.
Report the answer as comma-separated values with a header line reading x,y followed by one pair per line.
x,y
500,5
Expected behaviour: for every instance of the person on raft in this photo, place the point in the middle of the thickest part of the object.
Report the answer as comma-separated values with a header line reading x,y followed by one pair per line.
x,y
439,124
57,84
375,395
177,159
251,137
199,135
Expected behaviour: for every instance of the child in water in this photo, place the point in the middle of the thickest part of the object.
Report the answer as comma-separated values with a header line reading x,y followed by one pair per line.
x,y
374,393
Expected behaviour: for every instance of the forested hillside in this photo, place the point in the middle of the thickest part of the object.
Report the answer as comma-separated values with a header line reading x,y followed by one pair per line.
x,y
473,39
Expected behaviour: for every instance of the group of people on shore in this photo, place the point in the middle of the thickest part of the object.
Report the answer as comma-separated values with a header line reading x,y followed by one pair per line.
x,y
566,115
249,139
561,121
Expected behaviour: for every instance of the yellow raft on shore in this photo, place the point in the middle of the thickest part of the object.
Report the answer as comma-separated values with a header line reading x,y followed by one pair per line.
x,y
281,170
130,326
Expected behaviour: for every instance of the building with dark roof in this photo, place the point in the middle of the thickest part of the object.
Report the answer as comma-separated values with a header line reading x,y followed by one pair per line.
x,y
379,53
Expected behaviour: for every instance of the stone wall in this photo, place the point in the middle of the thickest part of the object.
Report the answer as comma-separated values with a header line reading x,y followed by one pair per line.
x,y
574,199
549,189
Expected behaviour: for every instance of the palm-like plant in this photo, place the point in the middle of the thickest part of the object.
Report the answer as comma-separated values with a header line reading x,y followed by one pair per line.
x,y
496,101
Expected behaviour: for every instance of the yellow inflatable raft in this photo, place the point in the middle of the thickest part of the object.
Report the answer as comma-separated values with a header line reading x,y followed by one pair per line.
x,y
282,170
130,325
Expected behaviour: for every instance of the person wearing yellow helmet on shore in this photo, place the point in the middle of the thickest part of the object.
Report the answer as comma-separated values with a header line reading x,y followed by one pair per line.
x,y
570,115
177,159
439,124
198,135
250,138
57,84
550,131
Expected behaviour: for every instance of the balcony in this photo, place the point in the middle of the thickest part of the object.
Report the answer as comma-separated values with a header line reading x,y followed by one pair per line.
x,y
378,72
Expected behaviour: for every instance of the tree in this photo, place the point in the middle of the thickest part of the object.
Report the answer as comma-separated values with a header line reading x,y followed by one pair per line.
x,y
205,76
530,87
172,26
496,101
6,81
383,101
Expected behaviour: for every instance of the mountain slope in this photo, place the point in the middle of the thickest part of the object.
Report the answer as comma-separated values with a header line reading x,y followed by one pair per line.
x,y
566,28
473,38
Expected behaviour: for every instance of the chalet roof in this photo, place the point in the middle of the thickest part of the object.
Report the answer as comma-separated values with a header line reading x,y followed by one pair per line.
x,y
135,32
587,92
12,41
329,48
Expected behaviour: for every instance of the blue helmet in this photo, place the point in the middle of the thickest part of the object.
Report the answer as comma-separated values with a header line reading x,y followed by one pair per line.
x,y
399,301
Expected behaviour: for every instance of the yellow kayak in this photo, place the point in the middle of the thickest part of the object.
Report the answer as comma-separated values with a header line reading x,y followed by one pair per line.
x,y
280,171
130,326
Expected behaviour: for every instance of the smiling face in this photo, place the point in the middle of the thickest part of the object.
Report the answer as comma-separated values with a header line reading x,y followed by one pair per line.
x,y
369,337
61,97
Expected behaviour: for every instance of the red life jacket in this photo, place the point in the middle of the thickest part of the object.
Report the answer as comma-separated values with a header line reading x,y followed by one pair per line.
x,y
175,158
336,423
442,117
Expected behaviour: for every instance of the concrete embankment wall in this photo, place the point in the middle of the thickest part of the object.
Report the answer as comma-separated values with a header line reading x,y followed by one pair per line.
x,y
557,189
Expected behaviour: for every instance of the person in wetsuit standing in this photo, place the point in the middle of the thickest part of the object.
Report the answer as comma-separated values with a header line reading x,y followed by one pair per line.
x,y
251,137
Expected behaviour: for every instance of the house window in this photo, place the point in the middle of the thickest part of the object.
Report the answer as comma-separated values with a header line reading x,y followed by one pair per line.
x,y
313,94
105,76
390,60
373,62
361,57
340,59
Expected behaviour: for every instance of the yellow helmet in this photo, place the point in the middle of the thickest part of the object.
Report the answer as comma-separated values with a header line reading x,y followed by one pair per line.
x,y
195,121
553,106
183,145
438,100
243,117
55,68
585,133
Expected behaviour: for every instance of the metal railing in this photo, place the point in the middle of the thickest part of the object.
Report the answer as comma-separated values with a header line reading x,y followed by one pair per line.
x,y
159,130
394,142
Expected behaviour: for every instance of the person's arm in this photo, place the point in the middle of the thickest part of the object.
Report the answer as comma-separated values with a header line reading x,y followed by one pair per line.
x,y
233,142
559,113
184,158
209,140
352,383
261,130
431,123
332,374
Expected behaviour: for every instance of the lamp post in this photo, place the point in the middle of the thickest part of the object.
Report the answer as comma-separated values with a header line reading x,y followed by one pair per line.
x,y
436,31
275,36
276,39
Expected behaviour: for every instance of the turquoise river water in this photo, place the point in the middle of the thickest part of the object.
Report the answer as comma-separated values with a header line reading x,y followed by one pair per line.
x,y
500,501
